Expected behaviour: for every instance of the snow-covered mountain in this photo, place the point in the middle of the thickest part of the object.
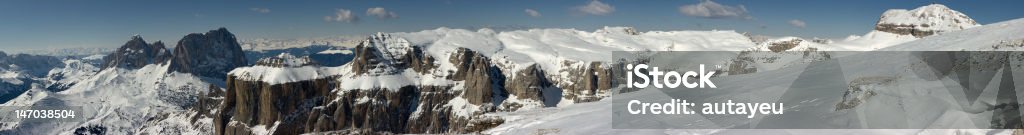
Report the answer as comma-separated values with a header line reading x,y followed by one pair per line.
x,y
895,26
137,53
143,88
150,99
433,81
998,36
1001,36
74,70
450,77
20,72
924,21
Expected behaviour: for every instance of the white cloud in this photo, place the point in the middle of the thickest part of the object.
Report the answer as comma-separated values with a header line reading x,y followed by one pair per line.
x,y
532,13
260,10
342,15
595,8
381,13
798,23
710,9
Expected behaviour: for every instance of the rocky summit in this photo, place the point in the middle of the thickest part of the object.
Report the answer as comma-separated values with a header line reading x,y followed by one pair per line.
x,y
210,54
136,53
924,21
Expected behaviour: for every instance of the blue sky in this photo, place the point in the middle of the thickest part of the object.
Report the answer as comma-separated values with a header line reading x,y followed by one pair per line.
x,y
36,24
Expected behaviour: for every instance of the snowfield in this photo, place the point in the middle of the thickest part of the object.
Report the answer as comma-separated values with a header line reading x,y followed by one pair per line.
x,y
596,117
550,47
1006,35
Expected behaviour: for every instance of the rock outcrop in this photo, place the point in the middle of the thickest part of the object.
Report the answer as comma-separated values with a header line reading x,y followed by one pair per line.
x,y
779,46
481,79
591,82
528,84
775,54
381,54
210,54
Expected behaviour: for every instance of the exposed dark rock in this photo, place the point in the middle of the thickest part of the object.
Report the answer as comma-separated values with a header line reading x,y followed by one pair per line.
x,y
211,54
385,55
479,75
207,101
923,21
315,106
251,103
91,130
528,83
136,53
742,65
591,81
779,46
905,29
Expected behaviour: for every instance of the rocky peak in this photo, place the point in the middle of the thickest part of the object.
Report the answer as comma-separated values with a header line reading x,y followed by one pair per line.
x,y
136,53
210,54
924,21
383,54
783,45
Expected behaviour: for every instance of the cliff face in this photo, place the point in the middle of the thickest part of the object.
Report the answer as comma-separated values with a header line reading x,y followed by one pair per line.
x,y
380,54
527,84
210,54
482,80
249,103
592,81
394,87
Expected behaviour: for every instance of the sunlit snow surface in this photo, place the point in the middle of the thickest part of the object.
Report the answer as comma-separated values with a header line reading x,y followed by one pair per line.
x,y
596,117
120,100
123,100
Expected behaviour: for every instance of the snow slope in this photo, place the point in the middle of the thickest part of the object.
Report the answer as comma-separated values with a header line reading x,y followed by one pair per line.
x,y
550,47
933,17
1006,35
146,100
595,117
873,40
284,68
